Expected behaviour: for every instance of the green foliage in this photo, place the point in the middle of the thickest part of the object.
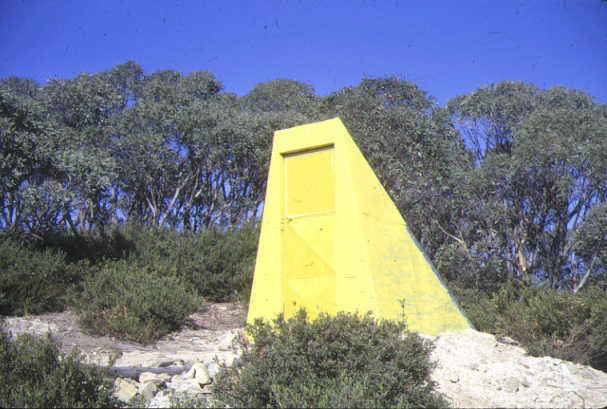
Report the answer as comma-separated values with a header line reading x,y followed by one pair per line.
x,y
27,172
545,322
495,185
34,281
92,248
470,269
283,95
217,264
128,300
341,361
489,115
36,374
137,282
587,342
590,239
538,174
229,261
476,305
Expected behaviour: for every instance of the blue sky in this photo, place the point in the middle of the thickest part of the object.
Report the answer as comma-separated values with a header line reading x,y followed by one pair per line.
x,y
446,47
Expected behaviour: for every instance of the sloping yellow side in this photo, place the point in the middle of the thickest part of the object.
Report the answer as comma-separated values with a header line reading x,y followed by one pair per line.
x,y
332,239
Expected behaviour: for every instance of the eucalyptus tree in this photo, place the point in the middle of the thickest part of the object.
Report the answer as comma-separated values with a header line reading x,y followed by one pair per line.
x,y
283,95
83,109
28,189
149,149
590,248
539,173
189,153
228,141
558,155
488,116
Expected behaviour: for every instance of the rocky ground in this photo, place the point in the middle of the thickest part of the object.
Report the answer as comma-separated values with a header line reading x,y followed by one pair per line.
x,y
182,363
473,369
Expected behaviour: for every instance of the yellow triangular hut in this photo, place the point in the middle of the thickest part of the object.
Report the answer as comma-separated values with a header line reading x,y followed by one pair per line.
x,y
332,239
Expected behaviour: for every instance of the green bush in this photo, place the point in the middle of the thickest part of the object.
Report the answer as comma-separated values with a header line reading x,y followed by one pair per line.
x,y
476,305
545,322
218,264
229,262
215,264
91,247
341,361
587,341
36,374
34,281
128,300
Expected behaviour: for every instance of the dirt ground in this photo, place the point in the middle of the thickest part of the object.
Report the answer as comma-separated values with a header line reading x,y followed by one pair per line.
x,y
201,332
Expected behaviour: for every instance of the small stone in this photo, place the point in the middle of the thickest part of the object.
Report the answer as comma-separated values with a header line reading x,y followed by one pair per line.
x,y
225,341
524,362
551,382
188,375
163,362
213,369
148,390
511,385
154,377
509,341
201,376
161,400
125,390
454,378
194,389
569,368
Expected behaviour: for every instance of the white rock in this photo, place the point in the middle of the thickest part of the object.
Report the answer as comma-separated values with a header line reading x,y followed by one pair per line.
x,y
474,370
213,369
161,400
225,341
148,390
201,376
163,362
157,378
125,390
187,375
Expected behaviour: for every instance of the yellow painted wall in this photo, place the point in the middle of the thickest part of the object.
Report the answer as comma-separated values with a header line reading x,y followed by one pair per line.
x,y
332,239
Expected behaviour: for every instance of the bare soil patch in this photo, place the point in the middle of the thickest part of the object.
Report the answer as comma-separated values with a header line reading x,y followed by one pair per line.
x,y
203,331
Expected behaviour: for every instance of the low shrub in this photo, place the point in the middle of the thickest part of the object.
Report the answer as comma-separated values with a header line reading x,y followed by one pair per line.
x,y
341,361
229,262
92,247
35,374
34,281
538,316
128,300
587,342
545,322
476,305
218,264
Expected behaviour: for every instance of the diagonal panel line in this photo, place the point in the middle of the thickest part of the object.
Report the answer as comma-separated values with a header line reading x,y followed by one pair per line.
x,y
308,246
